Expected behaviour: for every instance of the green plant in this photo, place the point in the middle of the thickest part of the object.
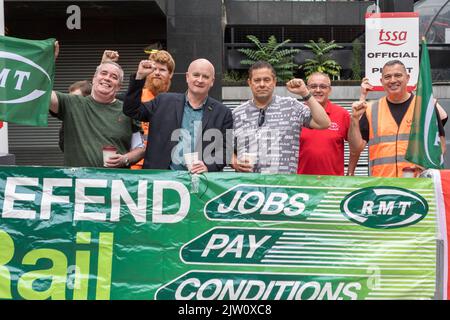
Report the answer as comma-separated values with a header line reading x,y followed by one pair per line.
x,y
322,61
272,52
233,77
356,60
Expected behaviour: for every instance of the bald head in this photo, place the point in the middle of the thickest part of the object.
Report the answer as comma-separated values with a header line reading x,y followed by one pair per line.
x,y
203,63
200,78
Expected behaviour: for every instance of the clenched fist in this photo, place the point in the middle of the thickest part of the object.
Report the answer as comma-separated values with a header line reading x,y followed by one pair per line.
x,y
110,55
145,68
297,86
358,109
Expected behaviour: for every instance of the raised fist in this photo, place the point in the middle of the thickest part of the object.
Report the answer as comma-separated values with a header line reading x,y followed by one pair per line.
x,y
297,86
145,68
110,55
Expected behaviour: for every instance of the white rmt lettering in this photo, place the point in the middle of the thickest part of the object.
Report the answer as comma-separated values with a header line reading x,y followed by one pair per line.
x,y
404,205
3,76
74,20
21,75
367,207
386,208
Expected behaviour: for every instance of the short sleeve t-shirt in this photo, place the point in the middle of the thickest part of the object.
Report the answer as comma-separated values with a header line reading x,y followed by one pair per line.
x,y
322,151
275,142
89,125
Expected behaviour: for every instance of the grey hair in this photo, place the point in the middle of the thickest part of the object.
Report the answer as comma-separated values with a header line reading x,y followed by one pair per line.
x,y
121,73
318,73
393,63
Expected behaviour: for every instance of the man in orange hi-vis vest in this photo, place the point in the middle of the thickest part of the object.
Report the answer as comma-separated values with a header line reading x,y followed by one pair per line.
x,y
385,124
156,83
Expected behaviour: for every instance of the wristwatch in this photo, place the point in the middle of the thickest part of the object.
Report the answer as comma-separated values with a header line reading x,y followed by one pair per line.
x,y
307,97
127,162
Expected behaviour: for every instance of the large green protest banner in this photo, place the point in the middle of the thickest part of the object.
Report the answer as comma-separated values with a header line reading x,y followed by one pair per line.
x,y
78,233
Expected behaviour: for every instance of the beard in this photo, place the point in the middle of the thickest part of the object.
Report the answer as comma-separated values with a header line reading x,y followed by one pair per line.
x,y
157,85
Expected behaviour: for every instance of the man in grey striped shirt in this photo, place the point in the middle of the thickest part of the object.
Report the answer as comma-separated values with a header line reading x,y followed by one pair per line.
x,y
267,128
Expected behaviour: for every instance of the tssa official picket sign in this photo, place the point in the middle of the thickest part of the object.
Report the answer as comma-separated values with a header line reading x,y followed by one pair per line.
x,y
82,233
392,36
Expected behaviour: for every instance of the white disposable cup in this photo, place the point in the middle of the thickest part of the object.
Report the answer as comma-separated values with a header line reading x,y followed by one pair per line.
x,y
408,173
250,157
108,151
190,159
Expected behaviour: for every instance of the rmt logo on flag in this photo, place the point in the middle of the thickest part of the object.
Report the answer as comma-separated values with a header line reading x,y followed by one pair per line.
x,y
26,80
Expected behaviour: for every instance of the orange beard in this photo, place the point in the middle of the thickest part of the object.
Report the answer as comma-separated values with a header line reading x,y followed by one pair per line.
x,y
157,85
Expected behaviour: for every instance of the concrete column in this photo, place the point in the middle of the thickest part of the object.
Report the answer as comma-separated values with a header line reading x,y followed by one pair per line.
x,y
194,30
397,5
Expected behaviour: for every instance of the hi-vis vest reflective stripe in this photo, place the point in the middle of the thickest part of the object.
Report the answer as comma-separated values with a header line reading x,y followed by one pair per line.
x,y
387,141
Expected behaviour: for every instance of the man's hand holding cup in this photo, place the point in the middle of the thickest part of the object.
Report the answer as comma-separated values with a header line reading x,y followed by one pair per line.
x,y
245,163
193,164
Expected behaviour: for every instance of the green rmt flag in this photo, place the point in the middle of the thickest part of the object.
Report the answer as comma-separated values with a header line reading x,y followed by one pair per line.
x,y
26,80
424,148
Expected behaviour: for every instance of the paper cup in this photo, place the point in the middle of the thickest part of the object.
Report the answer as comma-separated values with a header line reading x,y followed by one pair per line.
x,y
190,159
250,157
108,151
408,172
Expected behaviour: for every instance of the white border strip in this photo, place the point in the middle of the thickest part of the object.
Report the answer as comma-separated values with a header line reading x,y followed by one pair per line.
x,y
441,225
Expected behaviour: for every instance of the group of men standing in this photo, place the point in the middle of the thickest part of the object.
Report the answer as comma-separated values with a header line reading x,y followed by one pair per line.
x,y
267,134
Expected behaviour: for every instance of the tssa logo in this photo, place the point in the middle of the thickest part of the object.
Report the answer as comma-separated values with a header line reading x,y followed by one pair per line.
x,y
20,77
384,207
263,203
392,38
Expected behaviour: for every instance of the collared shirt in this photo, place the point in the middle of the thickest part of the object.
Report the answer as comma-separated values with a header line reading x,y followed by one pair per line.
x,y
191,127
322,151
276,141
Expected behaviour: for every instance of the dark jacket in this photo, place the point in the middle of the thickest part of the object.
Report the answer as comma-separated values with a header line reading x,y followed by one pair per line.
x,y
164,113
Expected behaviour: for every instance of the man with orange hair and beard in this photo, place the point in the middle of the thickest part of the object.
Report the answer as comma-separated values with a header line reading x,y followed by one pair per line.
x,y
157,82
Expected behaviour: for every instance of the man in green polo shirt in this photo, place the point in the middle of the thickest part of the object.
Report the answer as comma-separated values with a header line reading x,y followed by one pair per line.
x,y
92,122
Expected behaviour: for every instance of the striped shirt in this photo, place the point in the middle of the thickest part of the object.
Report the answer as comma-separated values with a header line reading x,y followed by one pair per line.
x,y
276,141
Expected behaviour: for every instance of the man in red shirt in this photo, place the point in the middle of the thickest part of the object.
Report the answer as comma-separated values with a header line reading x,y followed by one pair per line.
x,y
322,151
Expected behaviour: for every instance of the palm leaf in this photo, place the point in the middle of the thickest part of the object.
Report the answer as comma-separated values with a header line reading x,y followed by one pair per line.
x,y
275,53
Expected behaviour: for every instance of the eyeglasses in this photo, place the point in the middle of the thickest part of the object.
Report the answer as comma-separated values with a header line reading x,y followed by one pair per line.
x,y
320,86
261,117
